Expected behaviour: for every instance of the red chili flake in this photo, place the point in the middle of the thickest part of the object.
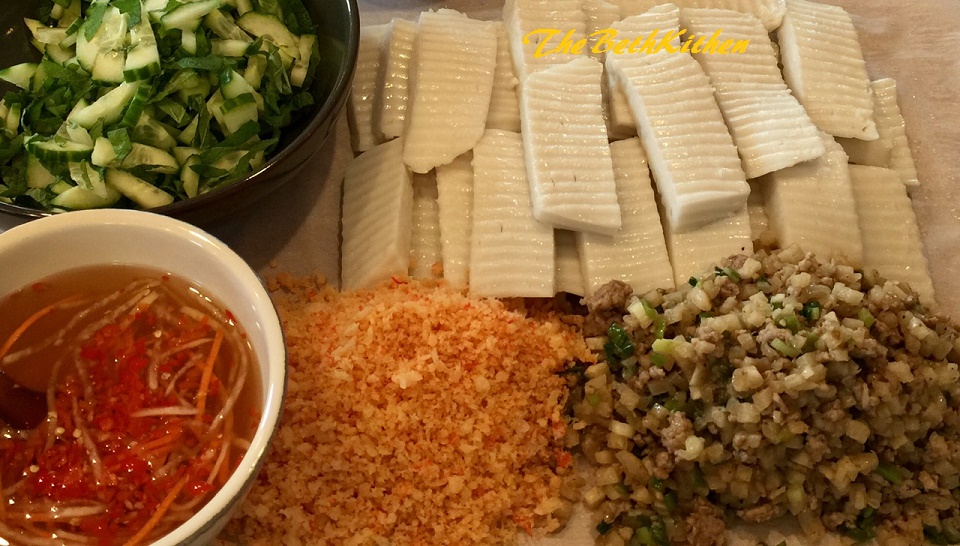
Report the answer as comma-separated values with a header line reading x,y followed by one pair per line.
x,y
196,489
564,459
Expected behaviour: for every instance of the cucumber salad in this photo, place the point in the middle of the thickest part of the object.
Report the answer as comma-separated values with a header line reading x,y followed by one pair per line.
x,y
140,103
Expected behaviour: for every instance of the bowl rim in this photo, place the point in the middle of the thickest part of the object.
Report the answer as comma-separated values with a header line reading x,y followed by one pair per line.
x,y
337,95
215,511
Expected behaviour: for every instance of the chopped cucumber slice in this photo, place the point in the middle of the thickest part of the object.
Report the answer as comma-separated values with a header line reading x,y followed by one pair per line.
x,y
37,175
229,48
58,151
152,132
139,191
44,34
143,60
256,66
233,85
189,132
270,28
88,178
137,105
189,177
244,6
108,66
77,198
103,153
182,153
11,121
141,155
188,15
109,107
224,26
20,75
307,44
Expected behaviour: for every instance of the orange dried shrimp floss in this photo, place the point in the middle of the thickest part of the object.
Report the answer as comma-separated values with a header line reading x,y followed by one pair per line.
x,y
415,415
139,432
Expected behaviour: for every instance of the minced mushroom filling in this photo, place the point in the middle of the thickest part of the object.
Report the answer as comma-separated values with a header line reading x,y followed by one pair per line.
x,y
775,385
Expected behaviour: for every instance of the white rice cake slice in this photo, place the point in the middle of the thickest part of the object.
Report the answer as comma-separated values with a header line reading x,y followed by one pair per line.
x,y
455,191
568,276
363,103
891,237
759,221
532,17
769,127
565,143
637,254
660,20
752,68
504,111
769,12
892,125
599,15
892,149
396,76
511,253
616,110
823,65
653,25
425,249
377,214
694,161
635,7
811,205
450,91
694,252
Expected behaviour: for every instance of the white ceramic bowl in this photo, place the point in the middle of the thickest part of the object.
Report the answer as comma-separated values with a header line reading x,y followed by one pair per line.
x,y
54,244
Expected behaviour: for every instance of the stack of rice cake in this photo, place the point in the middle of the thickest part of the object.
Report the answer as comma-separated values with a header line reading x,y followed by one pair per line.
x,y
512,167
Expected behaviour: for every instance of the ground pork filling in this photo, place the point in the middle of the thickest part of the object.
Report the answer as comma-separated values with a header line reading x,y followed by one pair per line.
x,y
415,415
774,385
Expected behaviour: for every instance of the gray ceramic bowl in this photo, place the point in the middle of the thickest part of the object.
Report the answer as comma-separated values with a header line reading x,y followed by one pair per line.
x,y
338,27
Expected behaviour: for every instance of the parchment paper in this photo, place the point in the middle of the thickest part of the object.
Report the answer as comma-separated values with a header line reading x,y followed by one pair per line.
x,y
915,42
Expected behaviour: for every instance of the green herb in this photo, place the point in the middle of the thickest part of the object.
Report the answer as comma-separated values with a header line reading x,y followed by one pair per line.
x,y
593,399
890,472
811,311
656,484
810,344
670,501
648,309
790,322
578,369
729,272
658,359
120,140
618,346
131,8
603,527
693,281
785,348
864,528
946,534
866,316
659,327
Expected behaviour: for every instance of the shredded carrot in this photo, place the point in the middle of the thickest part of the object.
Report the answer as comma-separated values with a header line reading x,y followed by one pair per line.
x,y
207,373
160,442
158,515
30,322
